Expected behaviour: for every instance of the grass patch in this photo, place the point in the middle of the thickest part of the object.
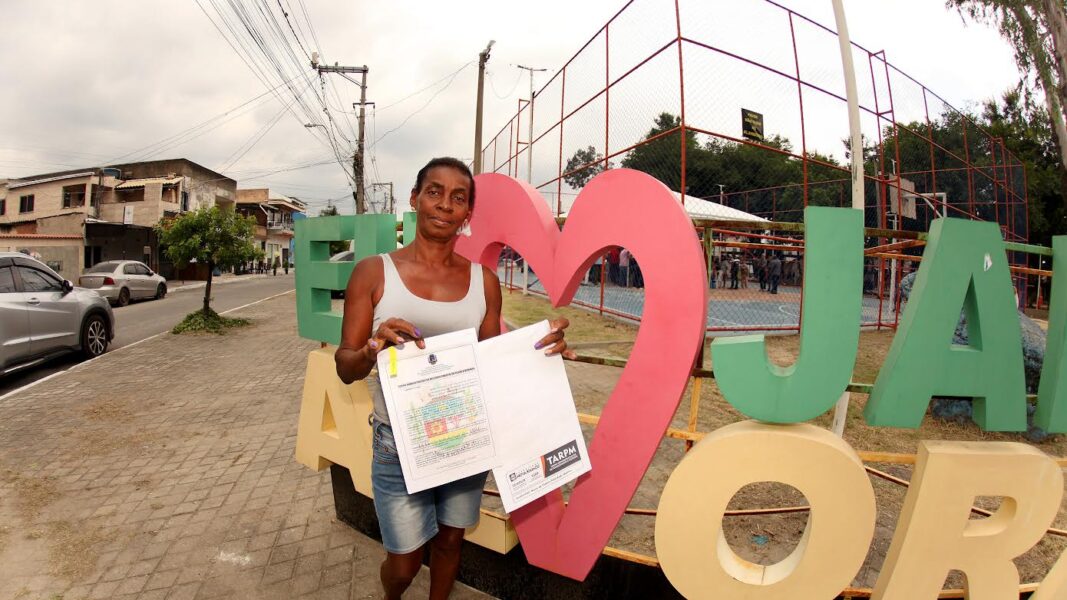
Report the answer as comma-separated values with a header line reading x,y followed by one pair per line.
x,y
211,322
588,333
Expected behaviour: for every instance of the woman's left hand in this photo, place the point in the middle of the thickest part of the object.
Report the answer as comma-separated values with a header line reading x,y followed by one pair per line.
x,y
554,341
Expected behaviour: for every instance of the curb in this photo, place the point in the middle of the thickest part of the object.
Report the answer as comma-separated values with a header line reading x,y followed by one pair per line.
x,y
199,285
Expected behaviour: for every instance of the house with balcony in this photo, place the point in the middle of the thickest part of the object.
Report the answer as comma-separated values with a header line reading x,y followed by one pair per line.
x,y
75,219
274,214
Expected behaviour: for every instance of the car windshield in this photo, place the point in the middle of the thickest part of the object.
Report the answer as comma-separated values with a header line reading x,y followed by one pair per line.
x,y
104,267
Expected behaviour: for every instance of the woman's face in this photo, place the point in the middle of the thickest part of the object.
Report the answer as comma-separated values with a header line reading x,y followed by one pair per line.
x,y
443,203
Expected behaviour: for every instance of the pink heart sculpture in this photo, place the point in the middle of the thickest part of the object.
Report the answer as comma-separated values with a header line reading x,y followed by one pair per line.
x,y
619,207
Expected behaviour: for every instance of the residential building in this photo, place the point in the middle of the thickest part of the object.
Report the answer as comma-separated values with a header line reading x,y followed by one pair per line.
x,y
274,214
75,219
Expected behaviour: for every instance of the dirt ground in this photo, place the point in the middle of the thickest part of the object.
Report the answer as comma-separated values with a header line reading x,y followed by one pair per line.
x,y
767,539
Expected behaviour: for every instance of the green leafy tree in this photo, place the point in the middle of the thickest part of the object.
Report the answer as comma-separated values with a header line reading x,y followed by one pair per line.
x,y
1037,31
1026,132
584,156
736,167
662,157
209,236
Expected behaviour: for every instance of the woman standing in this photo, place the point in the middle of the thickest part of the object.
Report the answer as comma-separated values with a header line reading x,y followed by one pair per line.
x,y
422,290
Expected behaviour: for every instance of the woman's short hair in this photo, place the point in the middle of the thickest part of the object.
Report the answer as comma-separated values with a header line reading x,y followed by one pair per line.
x,y
446,161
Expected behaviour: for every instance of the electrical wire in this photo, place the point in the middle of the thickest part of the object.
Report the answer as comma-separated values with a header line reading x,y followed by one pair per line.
x,y
492,85
421,90
418,110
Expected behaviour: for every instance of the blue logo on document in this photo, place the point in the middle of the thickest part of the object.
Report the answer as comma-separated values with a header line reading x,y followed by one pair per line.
x,y
433,359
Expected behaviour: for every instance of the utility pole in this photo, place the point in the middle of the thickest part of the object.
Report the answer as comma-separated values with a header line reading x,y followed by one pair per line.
x,y
389,202
483,57
529,137
357,158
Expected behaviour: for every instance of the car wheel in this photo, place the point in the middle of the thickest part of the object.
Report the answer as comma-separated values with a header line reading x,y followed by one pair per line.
x,y
124,297
161,292
94,336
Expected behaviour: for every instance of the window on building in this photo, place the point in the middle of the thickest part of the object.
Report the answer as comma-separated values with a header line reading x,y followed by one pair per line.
x,y
3,207
26,203
73,196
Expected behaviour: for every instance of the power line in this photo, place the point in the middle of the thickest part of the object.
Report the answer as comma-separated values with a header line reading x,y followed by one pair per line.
x,y
418,110
421,90
508,95
252,141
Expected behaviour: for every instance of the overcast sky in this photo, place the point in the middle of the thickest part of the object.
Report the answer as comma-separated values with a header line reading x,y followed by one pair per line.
x,y
87,83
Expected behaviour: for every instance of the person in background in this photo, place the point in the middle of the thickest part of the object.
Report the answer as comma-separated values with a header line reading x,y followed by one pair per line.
x,y
761,270
624,266
774,268
743,267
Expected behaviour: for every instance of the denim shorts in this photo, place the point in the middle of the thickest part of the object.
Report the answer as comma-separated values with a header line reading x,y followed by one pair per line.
x,y
408,521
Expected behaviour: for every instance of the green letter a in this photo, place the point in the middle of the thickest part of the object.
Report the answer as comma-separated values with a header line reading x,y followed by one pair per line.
x,y
964,265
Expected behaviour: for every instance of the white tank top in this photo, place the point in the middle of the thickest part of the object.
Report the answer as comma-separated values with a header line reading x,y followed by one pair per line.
x,y
430,316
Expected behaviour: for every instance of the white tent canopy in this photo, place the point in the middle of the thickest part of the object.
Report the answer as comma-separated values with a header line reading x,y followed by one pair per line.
x,y
698,208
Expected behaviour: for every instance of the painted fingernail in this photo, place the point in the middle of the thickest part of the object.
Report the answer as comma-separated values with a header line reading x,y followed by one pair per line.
x,y
373,344
417,332
537,346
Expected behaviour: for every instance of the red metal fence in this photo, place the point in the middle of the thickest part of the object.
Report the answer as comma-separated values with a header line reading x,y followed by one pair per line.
x,y
661,88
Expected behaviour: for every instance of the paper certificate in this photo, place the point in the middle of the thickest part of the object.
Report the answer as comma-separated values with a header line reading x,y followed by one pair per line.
x,y
437,410
459,407
542,444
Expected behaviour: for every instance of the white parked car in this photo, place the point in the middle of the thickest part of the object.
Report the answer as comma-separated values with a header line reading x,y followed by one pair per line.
x,y
123,280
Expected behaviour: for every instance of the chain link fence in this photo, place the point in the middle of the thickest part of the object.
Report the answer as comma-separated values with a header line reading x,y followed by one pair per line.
x,y
752,128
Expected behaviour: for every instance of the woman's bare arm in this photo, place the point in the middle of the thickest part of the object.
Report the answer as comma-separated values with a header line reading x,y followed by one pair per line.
x,y
354,357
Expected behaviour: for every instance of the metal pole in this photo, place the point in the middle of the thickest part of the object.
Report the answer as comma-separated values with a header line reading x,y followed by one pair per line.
x,y
856,137
529,167
361,205
483,57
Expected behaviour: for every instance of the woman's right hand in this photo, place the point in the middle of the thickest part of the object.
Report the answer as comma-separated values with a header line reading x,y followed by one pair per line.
x,y
394,332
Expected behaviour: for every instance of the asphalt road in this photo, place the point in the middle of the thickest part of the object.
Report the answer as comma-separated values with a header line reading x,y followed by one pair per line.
x,y
146,318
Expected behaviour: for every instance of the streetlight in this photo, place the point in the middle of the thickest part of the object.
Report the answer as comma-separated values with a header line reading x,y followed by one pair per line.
x,y
310,125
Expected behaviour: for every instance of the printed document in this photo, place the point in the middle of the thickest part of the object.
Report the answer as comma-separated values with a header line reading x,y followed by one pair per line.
x,y
460,407
437,410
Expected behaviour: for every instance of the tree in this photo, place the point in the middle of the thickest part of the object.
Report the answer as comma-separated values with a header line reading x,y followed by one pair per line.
x,y
211,236
1037,31
335,247
662,157
587,156
1027,134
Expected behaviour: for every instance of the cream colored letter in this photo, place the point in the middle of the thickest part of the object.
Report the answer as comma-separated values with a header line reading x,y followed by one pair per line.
x,y
936,534
333,422
692,549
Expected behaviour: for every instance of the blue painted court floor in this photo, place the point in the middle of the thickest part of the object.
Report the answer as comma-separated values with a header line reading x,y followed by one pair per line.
x,y
730,312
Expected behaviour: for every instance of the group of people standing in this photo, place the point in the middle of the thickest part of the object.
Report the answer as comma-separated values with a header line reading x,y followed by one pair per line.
x,y
734,273
621,269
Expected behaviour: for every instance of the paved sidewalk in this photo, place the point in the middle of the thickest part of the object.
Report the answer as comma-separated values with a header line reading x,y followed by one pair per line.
x,y
166,471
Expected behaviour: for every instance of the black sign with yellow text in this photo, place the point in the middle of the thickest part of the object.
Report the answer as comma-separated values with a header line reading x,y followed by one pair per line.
x,y
751,125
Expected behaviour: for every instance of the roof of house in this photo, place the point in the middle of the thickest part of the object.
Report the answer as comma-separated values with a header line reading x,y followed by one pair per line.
x,y
40,236
47,178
